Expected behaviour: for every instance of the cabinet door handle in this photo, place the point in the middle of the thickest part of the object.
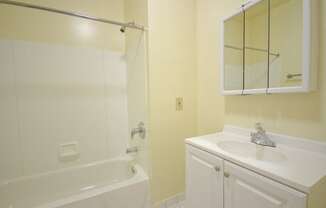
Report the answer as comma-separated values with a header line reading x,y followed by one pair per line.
x,y
226,174
217,169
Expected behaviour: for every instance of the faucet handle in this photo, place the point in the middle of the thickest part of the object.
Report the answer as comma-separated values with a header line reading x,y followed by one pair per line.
x,y
139,130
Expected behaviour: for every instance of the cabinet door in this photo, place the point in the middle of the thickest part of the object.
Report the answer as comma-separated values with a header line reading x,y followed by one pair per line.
x,y
232,54
246,189
256,47
295,43
204,180
270,46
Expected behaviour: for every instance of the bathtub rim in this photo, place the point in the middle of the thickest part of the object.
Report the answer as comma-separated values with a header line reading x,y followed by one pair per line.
x,y
139,177
126,158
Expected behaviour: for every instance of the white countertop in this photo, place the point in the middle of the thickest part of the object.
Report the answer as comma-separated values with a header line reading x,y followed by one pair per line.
x,y
303,168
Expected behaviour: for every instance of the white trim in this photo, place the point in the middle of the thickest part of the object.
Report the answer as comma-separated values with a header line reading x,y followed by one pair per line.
x,y
306,41
222,59
299,89
254,91
222,74
237,12
251,4
232,92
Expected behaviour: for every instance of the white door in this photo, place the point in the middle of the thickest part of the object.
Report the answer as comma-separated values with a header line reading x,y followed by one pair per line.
x,y
204,180
246,189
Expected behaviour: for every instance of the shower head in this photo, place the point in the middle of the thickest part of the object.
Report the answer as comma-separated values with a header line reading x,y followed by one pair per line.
x,y
123,29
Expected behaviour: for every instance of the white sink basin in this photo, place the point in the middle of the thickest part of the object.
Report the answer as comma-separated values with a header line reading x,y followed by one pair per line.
x,y
250,150
295,162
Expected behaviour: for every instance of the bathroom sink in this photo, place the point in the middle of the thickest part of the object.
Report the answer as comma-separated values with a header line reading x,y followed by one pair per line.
x,y
250,150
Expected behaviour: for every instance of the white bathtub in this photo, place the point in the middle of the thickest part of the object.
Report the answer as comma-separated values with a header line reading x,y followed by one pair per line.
x,y
106,184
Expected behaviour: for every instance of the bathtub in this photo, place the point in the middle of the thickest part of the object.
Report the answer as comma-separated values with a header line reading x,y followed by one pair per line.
x,y
106,184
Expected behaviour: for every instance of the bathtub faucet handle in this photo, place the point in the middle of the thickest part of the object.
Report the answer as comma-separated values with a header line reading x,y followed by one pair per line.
x,y
139,130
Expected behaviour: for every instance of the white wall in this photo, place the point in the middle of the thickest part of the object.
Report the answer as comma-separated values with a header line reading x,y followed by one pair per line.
x,y
53,94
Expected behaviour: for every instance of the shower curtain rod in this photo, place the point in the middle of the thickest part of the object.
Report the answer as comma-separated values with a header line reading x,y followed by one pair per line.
x,y
74,14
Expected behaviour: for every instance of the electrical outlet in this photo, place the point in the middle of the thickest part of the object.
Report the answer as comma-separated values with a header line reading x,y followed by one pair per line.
x,y
179,104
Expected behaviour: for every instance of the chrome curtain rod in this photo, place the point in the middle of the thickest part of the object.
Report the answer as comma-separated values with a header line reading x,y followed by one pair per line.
x,y
74,14
251,48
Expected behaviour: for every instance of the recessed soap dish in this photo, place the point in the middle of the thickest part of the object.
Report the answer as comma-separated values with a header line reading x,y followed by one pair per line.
x,y
69,152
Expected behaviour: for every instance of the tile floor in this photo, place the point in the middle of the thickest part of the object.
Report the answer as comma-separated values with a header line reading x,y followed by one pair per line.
x,y
178,205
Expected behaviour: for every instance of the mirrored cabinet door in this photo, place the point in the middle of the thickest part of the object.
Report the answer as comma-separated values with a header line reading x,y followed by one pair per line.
x,y
256,47
270,46
233,53
286,40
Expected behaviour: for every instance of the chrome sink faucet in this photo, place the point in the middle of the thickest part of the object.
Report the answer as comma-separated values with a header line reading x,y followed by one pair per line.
x,y
260,137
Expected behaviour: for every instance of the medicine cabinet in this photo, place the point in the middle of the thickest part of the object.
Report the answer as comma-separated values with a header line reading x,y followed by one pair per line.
x,y
270,46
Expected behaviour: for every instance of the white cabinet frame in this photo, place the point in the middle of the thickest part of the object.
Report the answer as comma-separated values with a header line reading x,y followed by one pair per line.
x,y
310,53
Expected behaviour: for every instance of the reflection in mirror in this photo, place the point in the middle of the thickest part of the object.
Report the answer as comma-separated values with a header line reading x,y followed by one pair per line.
x,y
256,46
286,39
233,53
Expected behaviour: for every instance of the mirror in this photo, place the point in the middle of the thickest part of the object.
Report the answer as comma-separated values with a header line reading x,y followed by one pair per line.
x,y
270,46
233,53
286,40
256,46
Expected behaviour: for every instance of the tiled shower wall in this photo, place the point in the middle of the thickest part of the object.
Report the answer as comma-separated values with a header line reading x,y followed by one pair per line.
x,y
52,95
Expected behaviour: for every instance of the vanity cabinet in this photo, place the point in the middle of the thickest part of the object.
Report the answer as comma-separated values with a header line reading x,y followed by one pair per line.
x,y
212,182
204,180
270,46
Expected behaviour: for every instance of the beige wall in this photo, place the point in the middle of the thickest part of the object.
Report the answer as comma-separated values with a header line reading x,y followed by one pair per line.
x,y
301,115
294,114
33,25
210,102
172,73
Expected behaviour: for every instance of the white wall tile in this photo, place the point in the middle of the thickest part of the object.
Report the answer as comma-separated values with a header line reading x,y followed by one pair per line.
x,y
137,91
116,93
10,143
56,94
